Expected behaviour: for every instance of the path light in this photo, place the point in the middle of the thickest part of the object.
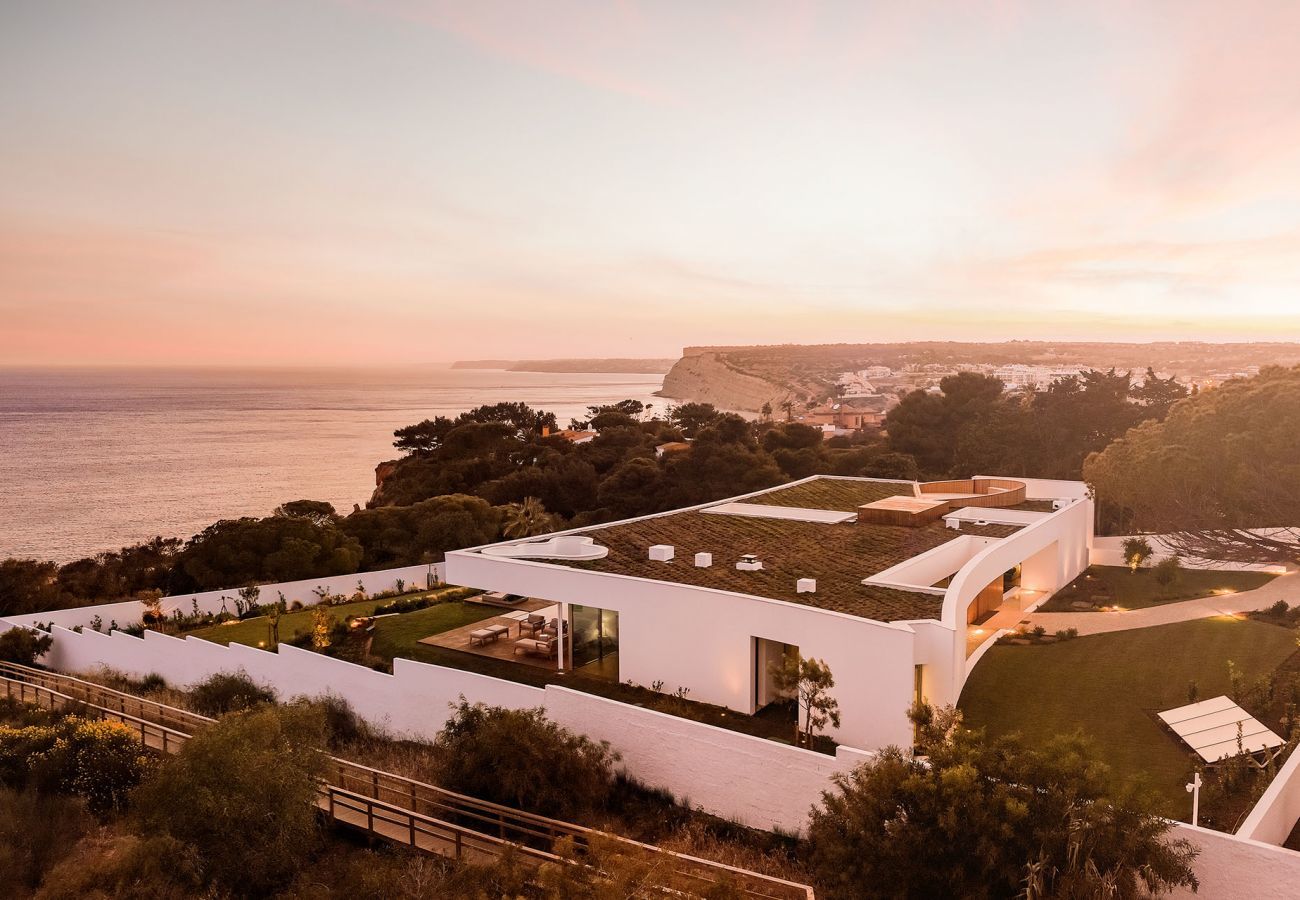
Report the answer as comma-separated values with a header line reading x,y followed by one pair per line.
x,y
1194,788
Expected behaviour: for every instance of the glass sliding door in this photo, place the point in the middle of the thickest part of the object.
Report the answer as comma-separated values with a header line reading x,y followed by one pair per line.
x,y
595,641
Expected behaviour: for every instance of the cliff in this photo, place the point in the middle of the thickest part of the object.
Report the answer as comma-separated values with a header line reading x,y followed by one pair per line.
x,y
704,376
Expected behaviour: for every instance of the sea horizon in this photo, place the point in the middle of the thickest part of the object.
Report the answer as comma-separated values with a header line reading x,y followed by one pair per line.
x,y
93,458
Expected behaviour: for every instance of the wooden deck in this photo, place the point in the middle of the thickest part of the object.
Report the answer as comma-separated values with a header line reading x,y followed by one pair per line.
x,y
501,648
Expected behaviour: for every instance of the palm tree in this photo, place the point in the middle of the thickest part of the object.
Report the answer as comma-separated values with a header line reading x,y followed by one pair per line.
x,y
527,519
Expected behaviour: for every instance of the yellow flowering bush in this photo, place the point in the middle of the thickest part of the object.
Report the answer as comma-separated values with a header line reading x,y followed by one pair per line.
x,y
92,758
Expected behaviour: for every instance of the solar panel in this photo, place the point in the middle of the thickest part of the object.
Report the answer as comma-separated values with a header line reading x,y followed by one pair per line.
x,y
1212,728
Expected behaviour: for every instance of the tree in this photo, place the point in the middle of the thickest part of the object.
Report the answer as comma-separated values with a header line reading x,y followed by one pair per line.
x,y
24,645
1156,395
691,418
27,586
277,548
1137,550
810,681
422,437
766,410
520,758
424,531
317,511
527,519
242,794
981,819
1219,477
925,426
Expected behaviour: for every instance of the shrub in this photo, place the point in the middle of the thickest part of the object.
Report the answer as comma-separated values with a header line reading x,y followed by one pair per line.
x,y
1066,634
522,759
227,692
1137,550
991,820
18,746
342,724
241,795
126,866
1166,571
1279,609
35,833
1039,631
24,646
99,760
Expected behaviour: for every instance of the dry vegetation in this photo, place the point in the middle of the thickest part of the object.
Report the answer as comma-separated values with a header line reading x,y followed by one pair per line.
x,y
838,556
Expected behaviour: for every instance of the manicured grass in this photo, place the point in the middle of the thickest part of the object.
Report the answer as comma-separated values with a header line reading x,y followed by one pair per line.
x,y
399,635
1110,686
1116,585
254,631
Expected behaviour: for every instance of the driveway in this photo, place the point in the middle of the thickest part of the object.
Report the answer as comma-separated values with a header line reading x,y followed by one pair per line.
x,y
1284,587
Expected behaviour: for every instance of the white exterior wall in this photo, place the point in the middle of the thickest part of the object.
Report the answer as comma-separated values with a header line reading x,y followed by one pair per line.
x,y
129,612
762,783
1229,867
702,639
413,700
1109,551
1274,816
1069,531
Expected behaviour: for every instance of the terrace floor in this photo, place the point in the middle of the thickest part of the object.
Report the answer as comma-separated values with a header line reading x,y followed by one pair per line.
x,y
502,648
1008,615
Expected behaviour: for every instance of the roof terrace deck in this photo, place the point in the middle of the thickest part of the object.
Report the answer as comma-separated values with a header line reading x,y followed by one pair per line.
x,y
839,556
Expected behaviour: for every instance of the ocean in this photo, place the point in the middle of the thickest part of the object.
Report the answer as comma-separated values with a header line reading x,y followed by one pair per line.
x,y
93,460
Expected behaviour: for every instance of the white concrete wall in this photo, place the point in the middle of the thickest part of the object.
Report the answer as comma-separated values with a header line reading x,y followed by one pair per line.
x,y
1069,531
758,782
1277,811
762,783
412,701
935,564
130,611
1230,867
1109,551
702,639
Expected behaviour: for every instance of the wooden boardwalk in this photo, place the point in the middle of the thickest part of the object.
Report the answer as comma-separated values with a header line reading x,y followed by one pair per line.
x,y
401,810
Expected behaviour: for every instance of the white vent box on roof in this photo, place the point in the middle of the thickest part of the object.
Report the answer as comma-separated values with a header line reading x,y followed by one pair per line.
x,y
953,522
661,552
749,563
1060,504
703,560
805,586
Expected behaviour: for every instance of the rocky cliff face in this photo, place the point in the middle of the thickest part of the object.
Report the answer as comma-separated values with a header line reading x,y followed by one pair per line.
x,y
704,376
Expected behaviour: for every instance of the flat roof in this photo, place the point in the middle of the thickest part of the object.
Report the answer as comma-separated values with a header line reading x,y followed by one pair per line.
x,y
839,555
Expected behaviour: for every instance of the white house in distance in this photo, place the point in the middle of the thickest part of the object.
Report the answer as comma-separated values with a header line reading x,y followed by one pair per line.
x,y
894,584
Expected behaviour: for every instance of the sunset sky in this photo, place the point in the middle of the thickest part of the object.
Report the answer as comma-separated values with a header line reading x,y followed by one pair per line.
x,y
380,181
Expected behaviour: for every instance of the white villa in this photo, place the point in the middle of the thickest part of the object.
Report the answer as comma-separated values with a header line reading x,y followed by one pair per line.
x,y
896,585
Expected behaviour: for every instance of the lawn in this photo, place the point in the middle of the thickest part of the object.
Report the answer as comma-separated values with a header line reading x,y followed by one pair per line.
x,y
399,635
253,632
1110,686
1116,585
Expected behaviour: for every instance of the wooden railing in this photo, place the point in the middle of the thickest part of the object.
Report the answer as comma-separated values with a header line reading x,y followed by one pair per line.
x,y
421,809
153,735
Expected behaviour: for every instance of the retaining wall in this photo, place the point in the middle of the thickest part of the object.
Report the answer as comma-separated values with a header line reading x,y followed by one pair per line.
x,y
129,612
759,782
1276,813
